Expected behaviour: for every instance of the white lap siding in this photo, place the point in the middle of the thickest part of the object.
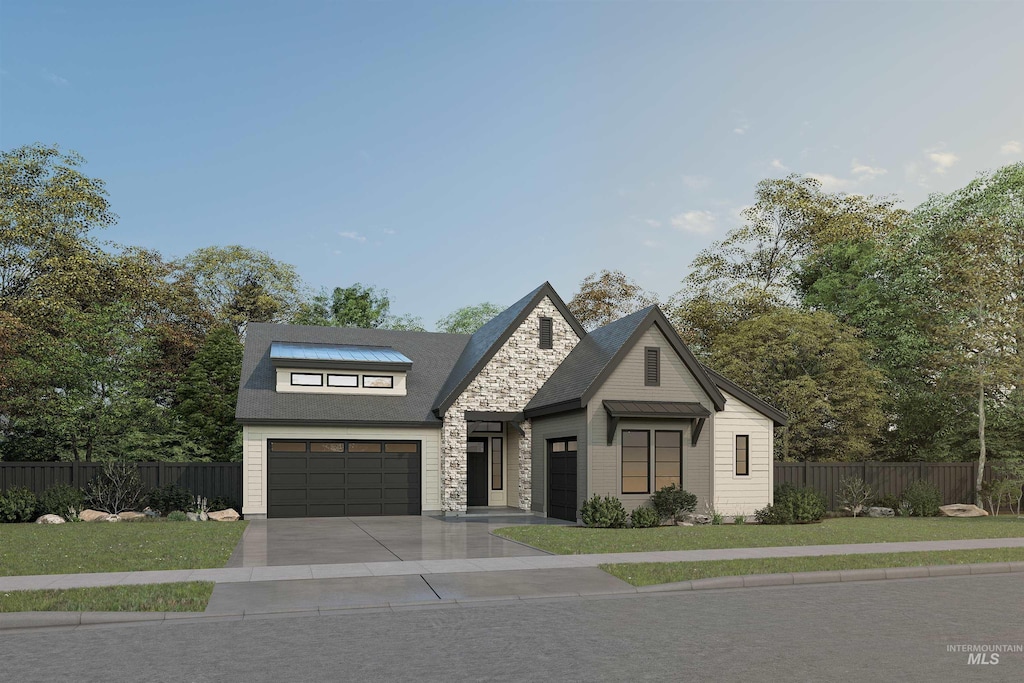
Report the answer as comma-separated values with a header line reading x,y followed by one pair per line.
x,y
736,494
254,457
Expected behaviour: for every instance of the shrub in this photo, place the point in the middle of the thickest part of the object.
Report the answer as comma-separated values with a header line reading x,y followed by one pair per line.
x,y
886,501
223,503
18,504
645,517
169,497
603,513
117,489
854,494
798,505
670,501
769,514
739,519
904,509
923,498
177,516
66,501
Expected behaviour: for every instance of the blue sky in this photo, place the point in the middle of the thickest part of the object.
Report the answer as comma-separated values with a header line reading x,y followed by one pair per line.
x,y
461,152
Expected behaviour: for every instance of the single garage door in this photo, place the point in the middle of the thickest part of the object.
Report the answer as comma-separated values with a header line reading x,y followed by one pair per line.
x,y
320,478
562,479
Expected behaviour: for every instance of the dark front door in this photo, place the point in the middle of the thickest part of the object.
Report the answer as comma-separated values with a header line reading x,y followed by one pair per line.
x,y
562,479
476,472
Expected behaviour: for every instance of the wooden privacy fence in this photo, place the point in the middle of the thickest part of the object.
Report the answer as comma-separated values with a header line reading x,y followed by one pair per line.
x,y
954,479
209,479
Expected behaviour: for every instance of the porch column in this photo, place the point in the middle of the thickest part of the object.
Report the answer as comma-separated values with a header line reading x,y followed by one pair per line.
x,y
526,466
453,464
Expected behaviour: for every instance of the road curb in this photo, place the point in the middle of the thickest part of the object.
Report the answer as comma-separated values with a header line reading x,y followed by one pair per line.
x,y
23,621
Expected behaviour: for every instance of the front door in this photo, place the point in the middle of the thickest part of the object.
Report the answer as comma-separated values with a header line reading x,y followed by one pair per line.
x,y
476,472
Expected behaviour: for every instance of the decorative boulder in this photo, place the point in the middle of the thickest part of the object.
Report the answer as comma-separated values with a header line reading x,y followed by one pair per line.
x,y
228,515
962,510
150,512
697,519
50,519
97,516
130,516
192,517
881,512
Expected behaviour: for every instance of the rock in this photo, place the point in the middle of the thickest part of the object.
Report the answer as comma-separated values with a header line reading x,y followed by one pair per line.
x,y
684,523
963,510
881,512
228,515
96,516
50,519
697,519
150,512
192,517
204,517
130,516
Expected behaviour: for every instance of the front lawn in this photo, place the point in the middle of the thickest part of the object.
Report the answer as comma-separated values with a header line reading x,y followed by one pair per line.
x,y
650,573
82,547
159,597
564,540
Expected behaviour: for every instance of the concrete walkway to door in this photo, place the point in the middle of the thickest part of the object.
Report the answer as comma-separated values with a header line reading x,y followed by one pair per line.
x,y
352,540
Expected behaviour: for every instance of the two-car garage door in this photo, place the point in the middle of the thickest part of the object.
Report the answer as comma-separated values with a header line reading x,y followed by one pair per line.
x,y
322,478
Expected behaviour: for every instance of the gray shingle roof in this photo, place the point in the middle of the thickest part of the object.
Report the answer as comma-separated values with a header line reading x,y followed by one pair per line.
x,y
433,357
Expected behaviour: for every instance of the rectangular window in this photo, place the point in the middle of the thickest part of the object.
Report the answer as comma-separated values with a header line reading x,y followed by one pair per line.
x,y
343,380
307,379
476,446
378,382
370,447
546,333
668,459
327,447
636,461
401,448
742,454
287,446
652,366
496,464
494,427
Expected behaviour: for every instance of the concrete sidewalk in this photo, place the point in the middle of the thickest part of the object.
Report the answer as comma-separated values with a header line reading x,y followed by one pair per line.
x,y
230,575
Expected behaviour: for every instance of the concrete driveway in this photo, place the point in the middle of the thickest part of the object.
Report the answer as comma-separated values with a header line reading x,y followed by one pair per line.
x,y
344,540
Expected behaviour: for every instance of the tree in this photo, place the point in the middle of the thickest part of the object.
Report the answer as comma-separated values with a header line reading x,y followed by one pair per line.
x,y
208,393
971,241
607,296
468,319
354,306
238,285
816,369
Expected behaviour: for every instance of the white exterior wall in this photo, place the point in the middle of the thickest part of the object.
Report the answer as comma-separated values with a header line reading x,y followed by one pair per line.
x,y
254,457
285,386
735,494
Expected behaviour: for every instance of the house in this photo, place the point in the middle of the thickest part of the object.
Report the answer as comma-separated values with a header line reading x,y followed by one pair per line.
x,y
530,412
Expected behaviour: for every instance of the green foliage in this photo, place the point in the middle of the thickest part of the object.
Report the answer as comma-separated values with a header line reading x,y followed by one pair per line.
x,y
354,306
208,392
886,501
814,368
607,296
923,498
854,494
177,516
168,498
468,319
223,503
793,505
603,512
671,501
644,517
117,489
770,515
66,501
739,519
717,518
17,504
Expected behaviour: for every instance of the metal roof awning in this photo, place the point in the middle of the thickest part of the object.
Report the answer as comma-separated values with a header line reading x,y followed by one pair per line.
x,y
656,410
338,356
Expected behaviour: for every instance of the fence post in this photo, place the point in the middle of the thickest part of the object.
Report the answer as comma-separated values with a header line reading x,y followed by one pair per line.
x,y
161,474
807,464
76,474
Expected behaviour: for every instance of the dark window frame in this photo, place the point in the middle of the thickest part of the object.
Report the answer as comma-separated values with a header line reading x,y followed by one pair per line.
x,y
746,456
500,471
622,462
652,362
387,377
546,336
486,430
342,386
309,374
654,454
309,451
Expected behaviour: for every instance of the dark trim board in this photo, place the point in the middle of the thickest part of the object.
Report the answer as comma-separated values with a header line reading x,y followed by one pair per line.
x,y
492,416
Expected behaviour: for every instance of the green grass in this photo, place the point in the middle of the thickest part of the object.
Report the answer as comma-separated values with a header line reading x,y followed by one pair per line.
x,y
564,540
650,573
115,547
160,597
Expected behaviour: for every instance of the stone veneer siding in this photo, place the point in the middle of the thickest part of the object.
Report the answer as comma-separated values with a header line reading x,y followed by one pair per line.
x,y
506,384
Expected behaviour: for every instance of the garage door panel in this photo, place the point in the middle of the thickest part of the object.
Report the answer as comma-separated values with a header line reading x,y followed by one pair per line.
x,y
350,483
562,483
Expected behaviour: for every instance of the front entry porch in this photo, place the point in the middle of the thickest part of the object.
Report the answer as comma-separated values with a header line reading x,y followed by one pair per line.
x,y
484,466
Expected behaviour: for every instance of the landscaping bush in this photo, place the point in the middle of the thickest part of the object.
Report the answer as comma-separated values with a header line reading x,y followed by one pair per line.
x,y
603,513
923,498
17,505
645,517
670,501
886,501
168,498
177,516
793,506
118,489
854,494
223,503
66,501
739,519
